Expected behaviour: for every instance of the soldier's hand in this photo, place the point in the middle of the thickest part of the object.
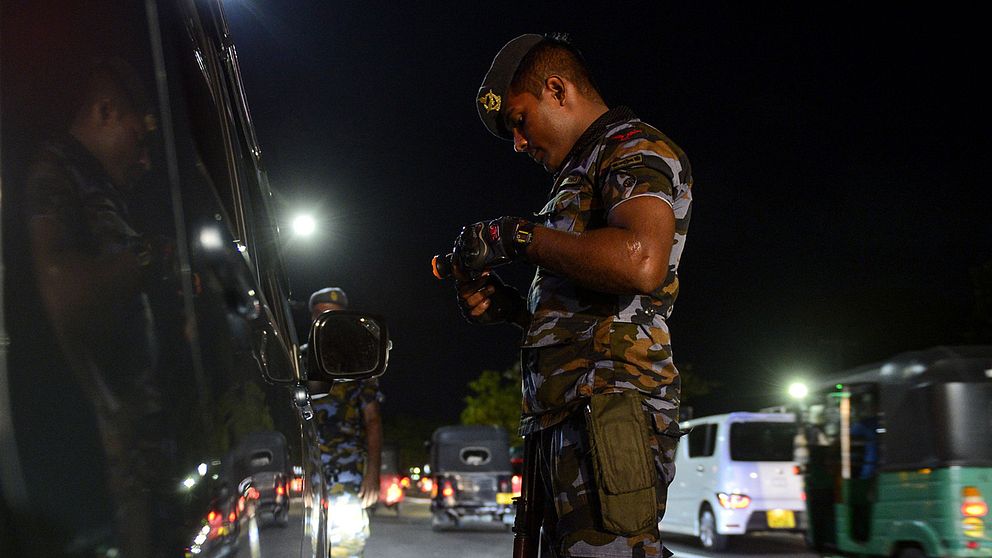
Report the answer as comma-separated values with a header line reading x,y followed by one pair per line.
x,y
369,491
488,244
487,300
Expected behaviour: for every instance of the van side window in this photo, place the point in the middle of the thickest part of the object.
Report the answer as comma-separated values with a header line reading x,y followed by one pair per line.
x,y
762,441
702,440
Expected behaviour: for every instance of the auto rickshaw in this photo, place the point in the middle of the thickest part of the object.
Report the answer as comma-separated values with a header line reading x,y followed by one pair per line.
x,y
900,459
473,478
261,464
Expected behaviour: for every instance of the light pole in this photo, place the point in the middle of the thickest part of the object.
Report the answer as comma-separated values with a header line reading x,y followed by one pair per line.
x,y
798,392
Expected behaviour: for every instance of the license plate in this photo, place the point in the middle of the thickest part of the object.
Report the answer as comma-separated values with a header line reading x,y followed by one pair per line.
x,y
504,498
781,519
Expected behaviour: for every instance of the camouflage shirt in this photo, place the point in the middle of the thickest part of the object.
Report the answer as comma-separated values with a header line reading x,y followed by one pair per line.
x,y
580,341
340,424
68,185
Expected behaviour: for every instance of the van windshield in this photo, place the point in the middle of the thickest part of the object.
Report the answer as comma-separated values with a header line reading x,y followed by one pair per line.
x,y
761,441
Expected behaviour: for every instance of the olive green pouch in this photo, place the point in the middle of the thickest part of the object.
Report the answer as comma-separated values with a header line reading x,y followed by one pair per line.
x,y
622,462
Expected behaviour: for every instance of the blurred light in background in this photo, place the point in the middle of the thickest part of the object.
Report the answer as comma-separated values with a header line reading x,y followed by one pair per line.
x,y
798,390
304,225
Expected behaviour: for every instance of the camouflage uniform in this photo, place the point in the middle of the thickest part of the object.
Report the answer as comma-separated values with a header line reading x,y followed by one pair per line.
x,y
111,354
341,429
582,342
68,183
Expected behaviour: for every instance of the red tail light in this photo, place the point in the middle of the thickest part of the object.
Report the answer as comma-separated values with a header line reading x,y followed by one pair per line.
x,y
448,491
280,490
232,517
516,483
296,485
252,493
394,493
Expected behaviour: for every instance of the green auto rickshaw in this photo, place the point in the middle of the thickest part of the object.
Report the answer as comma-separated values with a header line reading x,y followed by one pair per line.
x,y
900,457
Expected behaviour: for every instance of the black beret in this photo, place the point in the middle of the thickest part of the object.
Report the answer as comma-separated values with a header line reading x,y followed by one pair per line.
x,y
496,84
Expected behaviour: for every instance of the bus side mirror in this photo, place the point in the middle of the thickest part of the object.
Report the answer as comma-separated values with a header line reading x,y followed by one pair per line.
x,y
347,345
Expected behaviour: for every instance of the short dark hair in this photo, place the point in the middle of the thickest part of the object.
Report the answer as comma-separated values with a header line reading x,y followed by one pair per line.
x,y
115,79
555,55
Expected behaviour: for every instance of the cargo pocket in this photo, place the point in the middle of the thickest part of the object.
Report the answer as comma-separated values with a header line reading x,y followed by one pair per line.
x,y
623,463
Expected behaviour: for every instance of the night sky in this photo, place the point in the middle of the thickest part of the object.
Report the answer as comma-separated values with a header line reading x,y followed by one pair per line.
x,y
840,172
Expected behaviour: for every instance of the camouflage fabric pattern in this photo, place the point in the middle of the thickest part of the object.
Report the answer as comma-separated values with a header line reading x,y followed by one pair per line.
x,y
574,529
579,341
341,429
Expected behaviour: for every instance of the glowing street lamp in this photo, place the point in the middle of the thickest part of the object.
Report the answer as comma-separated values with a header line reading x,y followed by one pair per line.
x,y
798,391
304,225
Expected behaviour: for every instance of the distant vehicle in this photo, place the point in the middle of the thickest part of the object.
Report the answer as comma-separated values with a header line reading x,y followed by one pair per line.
x,y
473,479
735,475
391,491
261,468
146,343
900,457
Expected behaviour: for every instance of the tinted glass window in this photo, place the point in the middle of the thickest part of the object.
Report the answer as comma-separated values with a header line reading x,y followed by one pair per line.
x,y
762,441
702,440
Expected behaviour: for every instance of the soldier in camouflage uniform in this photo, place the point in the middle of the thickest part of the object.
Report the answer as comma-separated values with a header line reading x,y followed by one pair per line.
x,y
349,426
607,250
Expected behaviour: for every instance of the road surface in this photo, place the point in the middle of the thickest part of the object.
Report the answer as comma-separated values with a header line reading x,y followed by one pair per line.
x,y
409,534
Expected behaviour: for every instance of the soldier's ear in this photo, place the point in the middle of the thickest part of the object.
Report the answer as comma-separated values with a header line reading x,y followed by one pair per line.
x,y
556,86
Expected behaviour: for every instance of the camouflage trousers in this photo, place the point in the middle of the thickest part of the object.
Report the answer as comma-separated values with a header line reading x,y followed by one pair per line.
x,y
572,524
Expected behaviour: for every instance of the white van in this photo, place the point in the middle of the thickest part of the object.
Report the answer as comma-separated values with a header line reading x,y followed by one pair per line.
x,y
735,474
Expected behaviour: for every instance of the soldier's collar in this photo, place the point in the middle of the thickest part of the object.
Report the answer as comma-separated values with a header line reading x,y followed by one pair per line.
x,y
594,131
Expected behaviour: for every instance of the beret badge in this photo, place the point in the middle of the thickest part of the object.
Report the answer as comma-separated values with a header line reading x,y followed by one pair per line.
x,y
491,101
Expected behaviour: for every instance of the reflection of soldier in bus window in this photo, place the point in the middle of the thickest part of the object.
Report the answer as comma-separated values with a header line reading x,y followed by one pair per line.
x,y
810,434
866,430
91,265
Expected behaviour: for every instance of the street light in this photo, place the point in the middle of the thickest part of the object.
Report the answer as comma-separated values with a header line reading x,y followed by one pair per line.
x,y
304,225
798,391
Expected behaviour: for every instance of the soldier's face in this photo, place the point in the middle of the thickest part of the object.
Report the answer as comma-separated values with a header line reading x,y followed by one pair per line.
x,y
128,146
322,307
539,128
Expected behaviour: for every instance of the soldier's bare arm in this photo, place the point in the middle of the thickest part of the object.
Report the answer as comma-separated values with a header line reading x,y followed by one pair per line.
x,y
369,492
630,256
99,283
